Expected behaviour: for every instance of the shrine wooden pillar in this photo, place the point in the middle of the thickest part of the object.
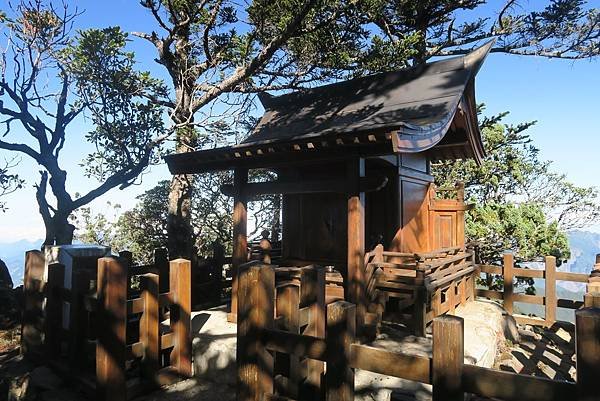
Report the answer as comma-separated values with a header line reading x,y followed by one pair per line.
x,y
240,234
356,238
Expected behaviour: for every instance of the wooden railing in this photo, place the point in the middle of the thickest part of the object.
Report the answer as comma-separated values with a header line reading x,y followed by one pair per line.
x,y
424,285
110,328
549,300
258,336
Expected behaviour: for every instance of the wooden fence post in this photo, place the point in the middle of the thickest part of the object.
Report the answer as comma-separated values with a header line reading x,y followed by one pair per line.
x,y
150,327
448,358
288,365
591,300
312,295
594,280
112,323
33,313
77,319
54,305
507,273
256,292
587,326
420,305
550,291
341,332
180,281
161,263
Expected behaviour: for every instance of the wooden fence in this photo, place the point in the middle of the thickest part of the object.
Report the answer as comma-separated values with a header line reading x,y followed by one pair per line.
x,y
115,339
549,300
260,337
419,286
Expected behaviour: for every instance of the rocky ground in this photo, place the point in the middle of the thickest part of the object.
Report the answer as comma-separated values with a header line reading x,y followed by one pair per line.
x,y
546,352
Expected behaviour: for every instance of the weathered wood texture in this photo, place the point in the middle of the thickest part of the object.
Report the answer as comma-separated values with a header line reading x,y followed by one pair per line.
x,y
103,296
447,362
240,235
341,331
256,290
112,319
445,370
33,313
587,339
181,356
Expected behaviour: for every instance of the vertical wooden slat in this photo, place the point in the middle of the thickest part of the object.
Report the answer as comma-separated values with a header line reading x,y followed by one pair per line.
x,y
420,305
341,331
112,323
54,305
180,281
356,238
507,273
312,295
77,319
288,302
33,314
255,313
161,262
448,358
551,300
240,239
150,327
591,300
587,322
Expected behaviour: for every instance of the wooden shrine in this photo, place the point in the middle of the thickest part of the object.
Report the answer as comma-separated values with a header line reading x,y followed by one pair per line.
x,y
352,161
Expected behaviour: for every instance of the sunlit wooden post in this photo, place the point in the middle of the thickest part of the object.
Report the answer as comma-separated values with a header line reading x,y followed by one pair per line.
x,y
587,326
448,358
112,323
594,280
240,234
180,281
551,300
341,332
312,295
507,273
288,302
356,238
33,314
255,313
150,326
472,282
591,300
54,305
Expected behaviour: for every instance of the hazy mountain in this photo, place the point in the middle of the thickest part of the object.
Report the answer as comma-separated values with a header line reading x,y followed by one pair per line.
x,y
13,254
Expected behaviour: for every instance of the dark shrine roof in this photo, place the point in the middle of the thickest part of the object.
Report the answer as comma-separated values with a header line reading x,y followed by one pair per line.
x,y
430,107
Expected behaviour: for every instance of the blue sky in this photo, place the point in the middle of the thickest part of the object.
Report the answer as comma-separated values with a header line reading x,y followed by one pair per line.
x,y
562,95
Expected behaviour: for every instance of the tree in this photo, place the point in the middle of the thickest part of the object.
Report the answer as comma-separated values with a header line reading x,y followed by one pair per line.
x,y
50,77
9,183
217,51
420,30
520,204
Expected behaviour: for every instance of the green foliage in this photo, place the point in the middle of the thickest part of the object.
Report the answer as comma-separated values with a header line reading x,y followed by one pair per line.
x,y
49,78
9,182
424,29
126,122
520,204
